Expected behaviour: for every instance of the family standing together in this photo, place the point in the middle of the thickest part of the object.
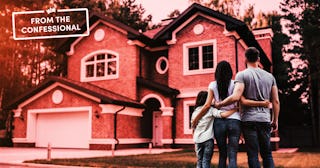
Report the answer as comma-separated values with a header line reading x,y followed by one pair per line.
x,y
239,106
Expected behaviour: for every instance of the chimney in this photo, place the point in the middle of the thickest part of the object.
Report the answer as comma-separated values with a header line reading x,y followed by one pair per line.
x,y
264,38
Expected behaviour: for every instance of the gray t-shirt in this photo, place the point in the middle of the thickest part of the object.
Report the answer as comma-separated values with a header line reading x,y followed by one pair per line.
x,y
257,86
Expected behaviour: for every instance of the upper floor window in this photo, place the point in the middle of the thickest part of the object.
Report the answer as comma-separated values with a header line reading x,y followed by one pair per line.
x,y
100,65
162,65
199,57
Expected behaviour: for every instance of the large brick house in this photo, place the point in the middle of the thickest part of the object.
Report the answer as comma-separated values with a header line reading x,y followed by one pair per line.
x,y
125,88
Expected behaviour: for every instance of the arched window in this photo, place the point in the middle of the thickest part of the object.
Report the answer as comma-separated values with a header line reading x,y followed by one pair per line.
x,y
100,65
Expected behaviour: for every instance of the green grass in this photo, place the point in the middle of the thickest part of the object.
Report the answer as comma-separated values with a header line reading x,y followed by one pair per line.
x,y
173,159
187,158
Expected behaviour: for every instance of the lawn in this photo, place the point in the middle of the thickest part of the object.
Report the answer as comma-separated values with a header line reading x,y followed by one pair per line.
x,y
186,159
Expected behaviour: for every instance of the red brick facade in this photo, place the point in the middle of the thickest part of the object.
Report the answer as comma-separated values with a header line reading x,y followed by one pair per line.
x,y
142,89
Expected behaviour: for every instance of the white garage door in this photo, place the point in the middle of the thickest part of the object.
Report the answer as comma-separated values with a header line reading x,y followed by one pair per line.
x,y
63,130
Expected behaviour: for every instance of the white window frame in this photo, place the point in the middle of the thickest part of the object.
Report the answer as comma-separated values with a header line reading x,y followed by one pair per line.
x,y
83,77
199,44
158,65
186,118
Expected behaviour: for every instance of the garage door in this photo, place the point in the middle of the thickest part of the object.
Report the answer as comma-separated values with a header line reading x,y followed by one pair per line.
x,y
63,130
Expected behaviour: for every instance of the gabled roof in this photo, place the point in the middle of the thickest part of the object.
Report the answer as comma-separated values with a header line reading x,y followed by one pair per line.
x,y
232,24
153,32
64,44
159,36
105,96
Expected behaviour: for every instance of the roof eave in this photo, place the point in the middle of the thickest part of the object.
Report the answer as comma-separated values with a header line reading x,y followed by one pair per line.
x,y
51,80
166,90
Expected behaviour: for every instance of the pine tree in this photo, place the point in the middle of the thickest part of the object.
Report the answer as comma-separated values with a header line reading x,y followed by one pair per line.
x,y
129,13
310,33
303,23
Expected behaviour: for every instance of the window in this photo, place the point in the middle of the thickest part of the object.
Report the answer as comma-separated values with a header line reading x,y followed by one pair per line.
x,y
162,65
199,57
188,107
100,65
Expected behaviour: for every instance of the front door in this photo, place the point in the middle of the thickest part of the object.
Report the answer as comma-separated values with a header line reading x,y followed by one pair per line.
x,y
157,128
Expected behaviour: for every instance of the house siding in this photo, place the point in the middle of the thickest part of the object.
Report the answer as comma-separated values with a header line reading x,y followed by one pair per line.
x,y
128,60
103,126
20,126
70,99
180,134
139,60
149,71
144,92
241,59
128,127
225,51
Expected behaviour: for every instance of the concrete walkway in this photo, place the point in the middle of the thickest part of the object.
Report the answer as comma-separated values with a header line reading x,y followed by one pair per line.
x,y
16,156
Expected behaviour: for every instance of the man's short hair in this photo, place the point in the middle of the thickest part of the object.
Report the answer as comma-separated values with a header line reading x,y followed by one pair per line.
x,y
252,54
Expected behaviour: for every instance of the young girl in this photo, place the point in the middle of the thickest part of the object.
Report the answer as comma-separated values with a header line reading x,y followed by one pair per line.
x,y
203,132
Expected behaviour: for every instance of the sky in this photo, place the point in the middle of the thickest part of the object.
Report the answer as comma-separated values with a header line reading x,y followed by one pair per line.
x,y
159,9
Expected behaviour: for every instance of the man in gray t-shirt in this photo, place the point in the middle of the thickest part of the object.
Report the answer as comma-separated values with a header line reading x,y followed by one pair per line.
x,y
256,84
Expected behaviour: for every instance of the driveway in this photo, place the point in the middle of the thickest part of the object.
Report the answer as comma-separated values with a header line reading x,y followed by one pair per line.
x,y
16,156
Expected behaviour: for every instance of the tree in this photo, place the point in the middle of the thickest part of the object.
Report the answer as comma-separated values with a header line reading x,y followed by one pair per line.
x,y
248,15
20,60
92,5
129,13
124,11
310,36
175,13
228,7
303,23
23,63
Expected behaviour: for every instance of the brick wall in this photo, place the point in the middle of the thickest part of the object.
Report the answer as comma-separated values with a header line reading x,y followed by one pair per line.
x,y
115,41
225,51
264,38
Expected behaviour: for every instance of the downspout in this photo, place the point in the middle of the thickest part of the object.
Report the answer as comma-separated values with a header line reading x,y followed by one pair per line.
x,y
140,62
115,124
236,52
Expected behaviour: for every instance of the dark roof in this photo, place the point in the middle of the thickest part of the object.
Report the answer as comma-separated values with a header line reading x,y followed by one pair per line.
x,y
158,37
231,22
153,32
105,96
164,89
64,44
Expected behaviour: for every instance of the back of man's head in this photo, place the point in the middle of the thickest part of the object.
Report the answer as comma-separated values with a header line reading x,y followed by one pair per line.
x,y
252,54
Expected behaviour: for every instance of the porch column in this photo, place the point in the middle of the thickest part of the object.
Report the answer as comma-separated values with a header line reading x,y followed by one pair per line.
x,y
167,113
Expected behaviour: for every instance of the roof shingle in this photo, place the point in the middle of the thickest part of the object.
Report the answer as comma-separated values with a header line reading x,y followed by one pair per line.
x,y
105,96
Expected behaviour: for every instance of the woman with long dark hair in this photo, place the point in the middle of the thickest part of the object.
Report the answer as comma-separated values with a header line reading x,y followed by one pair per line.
x,y
226,130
